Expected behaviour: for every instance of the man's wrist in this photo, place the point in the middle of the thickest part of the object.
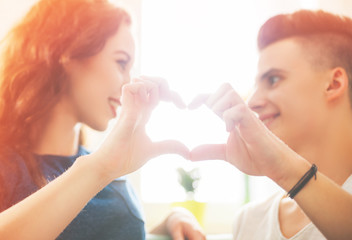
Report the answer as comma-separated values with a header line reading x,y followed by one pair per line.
x,y
293,171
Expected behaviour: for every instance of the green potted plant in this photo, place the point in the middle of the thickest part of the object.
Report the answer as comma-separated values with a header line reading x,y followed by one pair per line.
x,y
189,180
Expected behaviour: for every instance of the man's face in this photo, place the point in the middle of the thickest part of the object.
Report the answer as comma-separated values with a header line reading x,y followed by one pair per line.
x,y
289,96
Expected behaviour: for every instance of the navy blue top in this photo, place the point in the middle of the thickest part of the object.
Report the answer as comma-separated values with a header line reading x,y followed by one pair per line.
x,y
114,213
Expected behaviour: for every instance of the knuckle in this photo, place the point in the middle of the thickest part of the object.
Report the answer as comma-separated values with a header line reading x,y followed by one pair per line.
x,y
241,108
226,115
232,94
226,86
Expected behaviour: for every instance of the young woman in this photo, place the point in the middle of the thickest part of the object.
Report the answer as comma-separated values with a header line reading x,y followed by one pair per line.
x,y
302,99
68,63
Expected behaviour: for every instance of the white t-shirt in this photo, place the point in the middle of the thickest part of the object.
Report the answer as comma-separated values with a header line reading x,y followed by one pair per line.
x,y
261,220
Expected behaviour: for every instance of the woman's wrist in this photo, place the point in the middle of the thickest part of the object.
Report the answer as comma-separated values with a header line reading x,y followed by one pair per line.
x,y
97,172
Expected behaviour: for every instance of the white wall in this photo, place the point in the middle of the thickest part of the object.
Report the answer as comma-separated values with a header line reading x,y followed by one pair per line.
x,y
11,11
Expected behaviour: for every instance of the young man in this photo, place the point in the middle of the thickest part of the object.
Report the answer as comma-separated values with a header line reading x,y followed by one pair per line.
x,y
302,99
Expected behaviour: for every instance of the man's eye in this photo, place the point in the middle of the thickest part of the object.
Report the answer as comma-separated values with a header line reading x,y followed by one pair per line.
x,y
273,80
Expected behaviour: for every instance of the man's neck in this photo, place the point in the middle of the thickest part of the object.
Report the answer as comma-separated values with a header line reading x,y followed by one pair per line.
x,y
332,153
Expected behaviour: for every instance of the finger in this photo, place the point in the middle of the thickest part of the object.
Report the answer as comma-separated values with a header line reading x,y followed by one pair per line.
x,y
192,230
170,147
149,92
177,235
152,88
165,93
249,126
234,116
176,99
192,234
208,152
154,95
241,114
198,101
132,89
237,150
230,99
135,79
218,94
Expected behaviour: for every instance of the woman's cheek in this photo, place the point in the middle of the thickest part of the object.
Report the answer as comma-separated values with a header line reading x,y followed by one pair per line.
x,y
115,81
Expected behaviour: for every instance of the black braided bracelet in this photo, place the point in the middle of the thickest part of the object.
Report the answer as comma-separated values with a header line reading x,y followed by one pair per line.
x,y
303,181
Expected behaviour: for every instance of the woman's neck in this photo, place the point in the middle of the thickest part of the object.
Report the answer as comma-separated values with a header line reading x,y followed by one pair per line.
x,y
59,135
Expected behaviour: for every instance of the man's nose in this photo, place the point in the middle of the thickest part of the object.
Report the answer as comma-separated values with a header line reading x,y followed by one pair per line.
x,y
257,100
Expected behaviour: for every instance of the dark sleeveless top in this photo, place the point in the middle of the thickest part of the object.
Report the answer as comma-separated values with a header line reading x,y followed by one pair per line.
x,y
114,213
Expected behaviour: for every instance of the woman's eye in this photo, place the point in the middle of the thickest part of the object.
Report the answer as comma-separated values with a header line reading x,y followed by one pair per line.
x,y
122,64
273,80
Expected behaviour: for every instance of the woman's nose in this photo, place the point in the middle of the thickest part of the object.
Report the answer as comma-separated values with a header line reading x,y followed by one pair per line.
x,y
126,79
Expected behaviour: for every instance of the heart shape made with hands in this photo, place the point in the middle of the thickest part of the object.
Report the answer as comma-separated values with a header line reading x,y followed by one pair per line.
x,y
205,133
190,127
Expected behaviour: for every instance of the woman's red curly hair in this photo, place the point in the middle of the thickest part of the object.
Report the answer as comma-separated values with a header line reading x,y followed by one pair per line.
x,y
32,75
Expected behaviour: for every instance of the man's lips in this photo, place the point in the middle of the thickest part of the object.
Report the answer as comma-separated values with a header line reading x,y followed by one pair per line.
x,y
114,103
268,118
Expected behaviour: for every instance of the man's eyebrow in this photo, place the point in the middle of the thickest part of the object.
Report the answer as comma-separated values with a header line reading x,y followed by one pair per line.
x,y
124,53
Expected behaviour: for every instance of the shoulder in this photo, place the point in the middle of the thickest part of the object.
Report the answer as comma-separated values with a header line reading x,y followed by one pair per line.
x,y
15,179
259,207
10,162
255,214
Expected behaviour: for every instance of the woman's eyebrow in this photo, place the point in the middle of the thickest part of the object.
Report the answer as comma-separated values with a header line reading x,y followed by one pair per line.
x,y
123,53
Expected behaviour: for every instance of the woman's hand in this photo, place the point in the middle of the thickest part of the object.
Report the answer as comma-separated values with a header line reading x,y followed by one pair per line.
x,y
128,147
180,225
250,147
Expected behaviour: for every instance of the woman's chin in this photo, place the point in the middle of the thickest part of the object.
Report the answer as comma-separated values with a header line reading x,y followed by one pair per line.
x,y
100,125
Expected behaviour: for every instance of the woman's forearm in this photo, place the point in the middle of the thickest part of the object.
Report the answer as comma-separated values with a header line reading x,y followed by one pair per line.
x,y
46,213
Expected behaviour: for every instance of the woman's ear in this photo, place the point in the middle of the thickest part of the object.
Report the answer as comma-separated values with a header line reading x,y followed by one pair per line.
x,y
73,69
337,85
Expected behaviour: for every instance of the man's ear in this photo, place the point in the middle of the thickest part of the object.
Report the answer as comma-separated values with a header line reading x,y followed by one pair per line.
x,y
337,85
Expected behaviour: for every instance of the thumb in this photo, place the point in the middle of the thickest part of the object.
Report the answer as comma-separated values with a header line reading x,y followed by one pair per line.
x,y
198,101
208,152
170,147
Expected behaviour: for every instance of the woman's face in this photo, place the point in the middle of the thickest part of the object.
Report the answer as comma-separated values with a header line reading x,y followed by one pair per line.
x,y
95,83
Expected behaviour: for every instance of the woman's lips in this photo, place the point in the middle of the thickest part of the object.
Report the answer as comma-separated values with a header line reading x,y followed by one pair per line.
x,y
114,104
267,119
